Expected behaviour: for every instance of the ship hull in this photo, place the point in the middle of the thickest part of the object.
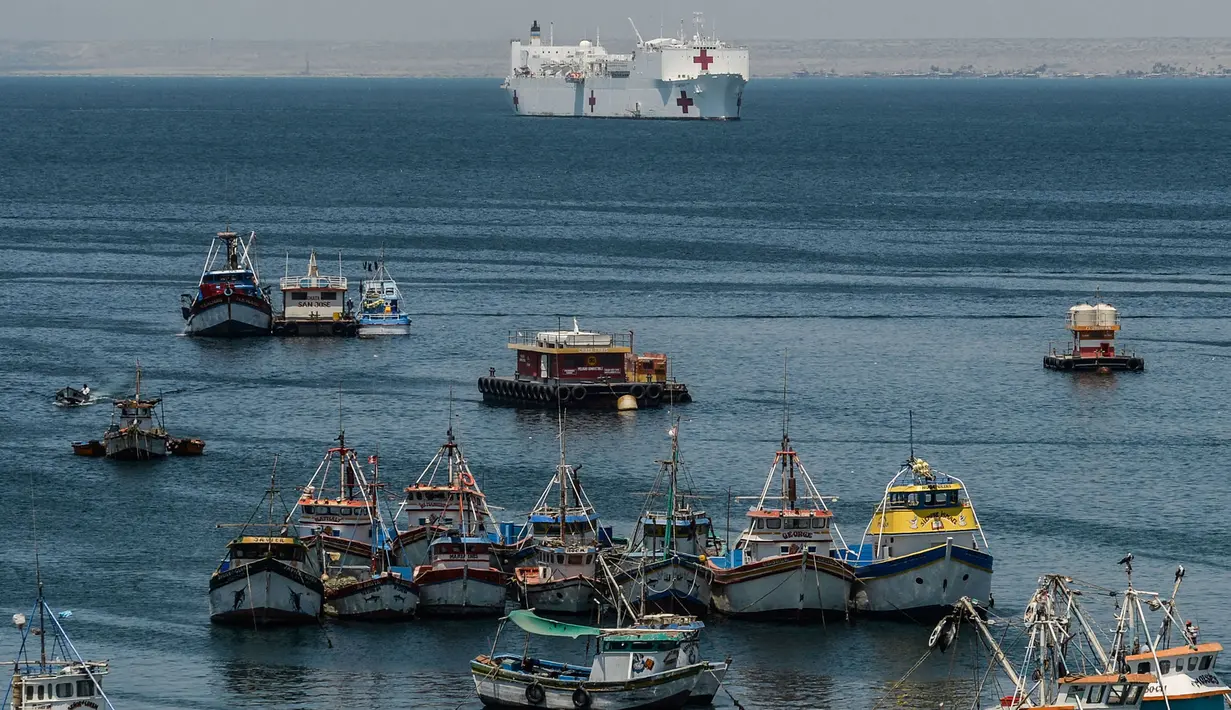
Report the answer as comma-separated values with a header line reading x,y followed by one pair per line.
x,y
923,586
506,391
379,599
501,688
798,586
233,316
675,585
264,593
135,446
573,596
707,97
458,592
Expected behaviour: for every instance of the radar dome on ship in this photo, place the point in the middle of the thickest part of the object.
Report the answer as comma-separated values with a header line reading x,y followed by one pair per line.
x,y
585,44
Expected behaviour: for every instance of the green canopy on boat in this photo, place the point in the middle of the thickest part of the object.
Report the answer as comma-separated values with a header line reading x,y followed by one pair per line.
x,y
532,623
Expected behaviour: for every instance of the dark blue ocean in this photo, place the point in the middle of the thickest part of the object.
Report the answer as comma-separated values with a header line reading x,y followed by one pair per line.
x,y
908,245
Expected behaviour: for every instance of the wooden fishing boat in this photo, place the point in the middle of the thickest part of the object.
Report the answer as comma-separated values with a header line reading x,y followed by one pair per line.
x,y
93,447
136,433
186,447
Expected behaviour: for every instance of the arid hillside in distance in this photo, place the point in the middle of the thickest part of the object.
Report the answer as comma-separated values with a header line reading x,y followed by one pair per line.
x,y
770,58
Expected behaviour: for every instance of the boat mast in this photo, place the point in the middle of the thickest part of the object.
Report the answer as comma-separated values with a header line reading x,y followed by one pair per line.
x,y
788,461
138,395
671,487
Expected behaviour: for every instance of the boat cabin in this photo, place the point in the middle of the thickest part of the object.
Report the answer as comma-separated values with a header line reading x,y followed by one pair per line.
x,y
137,413
347,519
921,509
690,534
380,296
580,523
628,656
456,552
427,504
555,561
246,549
313,296
573,355
1090,692
1193,660
58,684
218,283
773,533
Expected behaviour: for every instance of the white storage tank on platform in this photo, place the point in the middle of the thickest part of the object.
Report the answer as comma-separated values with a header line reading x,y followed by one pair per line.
x,y
1105,316
1082,316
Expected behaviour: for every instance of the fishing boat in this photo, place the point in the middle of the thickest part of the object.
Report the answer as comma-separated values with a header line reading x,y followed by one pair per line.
x,y
923,549
709,682
380,591
447,496
186,447
48,672
314,304
229,301
380,311
1046,678
1183,666
783,565
266,579
459,578
563,575
334,503
632,668
582,369
665,567
71,397
135,434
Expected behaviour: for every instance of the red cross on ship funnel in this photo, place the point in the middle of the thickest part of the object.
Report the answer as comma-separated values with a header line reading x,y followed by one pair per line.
x,y
704,59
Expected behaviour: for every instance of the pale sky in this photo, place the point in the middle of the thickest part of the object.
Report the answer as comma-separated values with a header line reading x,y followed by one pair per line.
x,y
410,20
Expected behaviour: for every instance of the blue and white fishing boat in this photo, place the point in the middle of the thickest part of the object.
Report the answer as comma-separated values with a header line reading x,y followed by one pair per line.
x,y
665,567
923,549
380,312
229,301
48,672
633,668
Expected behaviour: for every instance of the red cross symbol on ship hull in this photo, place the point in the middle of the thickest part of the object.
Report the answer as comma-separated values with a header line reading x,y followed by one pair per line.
x,y
592,100
516,107
684,102
704,59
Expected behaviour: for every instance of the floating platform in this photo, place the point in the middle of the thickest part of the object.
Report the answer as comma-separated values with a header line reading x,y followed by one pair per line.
x,y
580,395
345,327
1068,361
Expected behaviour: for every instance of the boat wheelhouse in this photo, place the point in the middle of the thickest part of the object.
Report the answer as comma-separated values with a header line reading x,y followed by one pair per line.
x,y
446,496
632,668
459,579
665,567
582,369
563,578
314,304
135,434
1093,329
923,548
48,672
380,311
229,300
335,502
783,565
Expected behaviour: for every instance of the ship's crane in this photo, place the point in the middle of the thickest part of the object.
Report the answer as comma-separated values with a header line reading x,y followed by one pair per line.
x,y
634,24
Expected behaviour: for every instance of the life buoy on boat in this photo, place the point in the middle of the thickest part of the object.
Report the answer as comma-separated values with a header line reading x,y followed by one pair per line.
x,y
228,291
467,478
535,694
581,698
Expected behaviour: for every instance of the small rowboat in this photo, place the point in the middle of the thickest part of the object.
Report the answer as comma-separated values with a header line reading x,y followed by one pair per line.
x,y
93,447
70,397
186,447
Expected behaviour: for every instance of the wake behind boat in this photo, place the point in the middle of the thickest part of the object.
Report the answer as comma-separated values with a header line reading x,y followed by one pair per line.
x,y
229,301
380,311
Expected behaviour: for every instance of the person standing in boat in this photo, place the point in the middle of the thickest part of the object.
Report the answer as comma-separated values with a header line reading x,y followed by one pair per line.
x,y
85,390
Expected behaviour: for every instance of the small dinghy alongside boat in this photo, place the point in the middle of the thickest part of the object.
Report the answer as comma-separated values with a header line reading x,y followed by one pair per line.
x,y
633,668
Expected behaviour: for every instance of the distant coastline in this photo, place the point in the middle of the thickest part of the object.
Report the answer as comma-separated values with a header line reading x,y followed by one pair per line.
x,y
803,59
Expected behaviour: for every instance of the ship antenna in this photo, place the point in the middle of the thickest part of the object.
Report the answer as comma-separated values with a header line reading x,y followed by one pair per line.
x,y
38,577
786,407
911,414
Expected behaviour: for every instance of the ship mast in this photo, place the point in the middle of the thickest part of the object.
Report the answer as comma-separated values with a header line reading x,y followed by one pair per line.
x,y
788,461
673,478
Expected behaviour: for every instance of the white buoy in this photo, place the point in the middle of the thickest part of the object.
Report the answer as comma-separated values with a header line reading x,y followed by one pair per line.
x,y
626,403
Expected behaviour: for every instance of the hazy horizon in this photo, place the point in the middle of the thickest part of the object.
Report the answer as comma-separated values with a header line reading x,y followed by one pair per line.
x,y
395,20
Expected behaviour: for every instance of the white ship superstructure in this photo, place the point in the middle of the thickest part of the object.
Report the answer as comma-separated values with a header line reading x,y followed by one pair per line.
x,y
700,77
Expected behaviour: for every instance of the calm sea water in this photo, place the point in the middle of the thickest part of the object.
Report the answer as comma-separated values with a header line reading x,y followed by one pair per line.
x,y
907,246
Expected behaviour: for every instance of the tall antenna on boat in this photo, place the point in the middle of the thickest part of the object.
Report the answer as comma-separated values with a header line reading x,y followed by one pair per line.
x,y
38,577
786,408
911,414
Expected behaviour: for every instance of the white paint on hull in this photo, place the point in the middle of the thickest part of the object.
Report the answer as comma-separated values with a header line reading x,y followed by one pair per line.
x,y
264,597
570,596
942,585
230,317
795,590
688,583
505,691
135,446
386,598
379,329
461,597
709,96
